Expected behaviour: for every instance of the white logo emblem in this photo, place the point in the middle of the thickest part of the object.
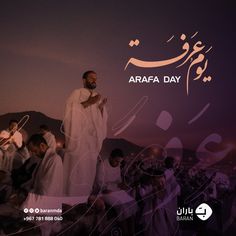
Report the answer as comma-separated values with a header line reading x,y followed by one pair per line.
x,y
26,210
31,210
203,211
36,210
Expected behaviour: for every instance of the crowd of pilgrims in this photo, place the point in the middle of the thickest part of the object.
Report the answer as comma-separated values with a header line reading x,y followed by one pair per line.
x,y
132,195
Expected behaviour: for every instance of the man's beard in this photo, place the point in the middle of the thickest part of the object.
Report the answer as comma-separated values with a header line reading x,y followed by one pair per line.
x,y
91,86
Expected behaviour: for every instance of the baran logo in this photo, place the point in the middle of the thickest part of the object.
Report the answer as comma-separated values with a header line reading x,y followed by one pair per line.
x,y
184,214
203,211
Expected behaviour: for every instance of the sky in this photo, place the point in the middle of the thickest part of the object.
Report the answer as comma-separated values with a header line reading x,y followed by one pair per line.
x,y
45,46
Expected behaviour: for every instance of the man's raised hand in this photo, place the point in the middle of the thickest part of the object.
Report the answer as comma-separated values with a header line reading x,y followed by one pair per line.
x,y
91,100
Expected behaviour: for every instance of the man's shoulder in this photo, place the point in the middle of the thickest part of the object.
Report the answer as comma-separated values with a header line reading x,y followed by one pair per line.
x,y
80,93
49,134
103,163
74,93
17,133
4,134
52,157
79,90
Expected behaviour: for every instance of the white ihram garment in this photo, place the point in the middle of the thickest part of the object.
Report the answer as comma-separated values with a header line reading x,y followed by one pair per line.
x,y
8,151
51,140
48,183
85,130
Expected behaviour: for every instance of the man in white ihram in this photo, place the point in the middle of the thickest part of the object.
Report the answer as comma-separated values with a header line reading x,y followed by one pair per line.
x,y
10,140
85,129
48,136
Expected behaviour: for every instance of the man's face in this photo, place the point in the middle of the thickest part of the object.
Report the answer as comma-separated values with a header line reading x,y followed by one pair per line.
x,y
115,161
177,162
42,131
90,81
38,151
159,182
13,126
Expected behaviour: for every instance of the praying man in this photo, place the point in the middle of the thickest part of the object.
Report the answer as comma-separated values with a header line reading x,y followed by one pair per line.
x,y
85,126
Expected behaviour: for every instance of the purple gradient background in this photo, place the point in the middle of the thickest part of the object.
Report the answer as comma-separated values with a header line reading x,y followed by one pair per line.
x,y
45,46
